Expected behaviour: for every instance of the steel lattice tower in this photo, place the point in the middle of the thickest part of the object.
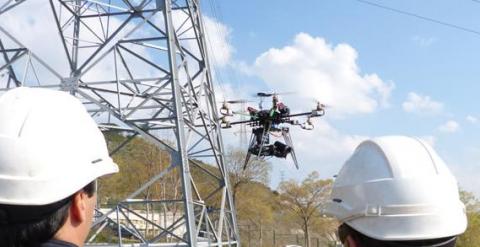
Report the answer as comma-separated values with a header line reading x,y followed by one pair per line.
x,y
144,65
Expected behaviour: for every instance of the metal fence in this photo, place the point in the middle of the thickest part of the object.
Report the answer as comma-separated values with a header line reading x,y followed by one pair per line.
x,y
253,236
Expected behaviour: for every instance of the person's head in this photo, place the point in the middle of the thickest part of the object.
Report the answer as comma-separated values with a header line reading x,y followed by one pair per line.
x,y
51,153
353,238
396,191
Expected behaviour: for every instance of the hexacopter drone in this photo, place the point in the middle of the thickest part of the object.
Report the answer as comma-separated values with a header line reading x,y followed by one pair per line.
x,y
270,122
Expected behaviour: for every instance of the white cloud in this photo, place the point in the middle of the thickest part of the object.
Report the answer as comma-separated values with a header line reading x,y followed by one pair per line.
x,y
318,70
325,144
323,149
465,166
315,69
429,139
467,176
218,38
36,31
421,104
472,119
423,41
449,127
228,91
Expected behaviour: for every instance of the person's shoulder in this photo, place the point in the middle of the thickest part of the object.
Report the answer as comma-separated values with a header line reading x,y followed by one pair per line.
x,y
57,243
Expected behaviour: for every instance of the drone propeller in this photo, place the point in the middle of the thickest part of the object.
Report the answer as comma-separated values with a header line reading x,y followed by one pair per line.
x,y
236,101
263,94
321,106
225,108
241,101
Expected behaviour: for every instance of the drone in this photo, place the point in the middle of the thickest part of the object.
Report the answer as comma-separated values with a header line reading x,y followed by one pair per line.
x,y
265,123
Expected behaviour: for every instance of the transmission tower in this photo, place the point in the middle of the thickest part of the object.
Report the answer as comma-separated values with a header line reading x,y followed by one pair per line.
x,y
140,67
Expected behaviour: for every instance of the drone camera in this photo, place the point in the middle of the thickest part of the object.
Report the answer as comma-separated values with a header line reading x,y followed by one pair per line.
x,y
281,150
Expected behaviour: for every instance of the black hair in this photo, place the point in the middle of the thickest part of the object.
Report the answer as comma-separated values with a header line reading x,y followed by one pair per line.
x,y
30,226
364,241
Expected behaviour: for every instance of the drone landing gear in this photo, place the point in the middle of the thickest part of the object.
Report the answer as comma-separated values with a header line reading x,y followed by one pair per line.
x,y
289,143
257,140
260,147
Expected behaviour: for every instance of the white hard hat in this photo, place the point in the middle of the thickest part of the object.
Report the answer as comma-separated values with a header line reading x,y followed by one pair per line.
x,y
397,188
50,147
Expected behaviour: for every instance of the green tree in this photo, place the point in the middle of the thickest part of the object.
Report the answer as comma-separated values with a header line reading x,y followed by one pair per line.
x,y
471,237
304,200
139,160
256,171
255,207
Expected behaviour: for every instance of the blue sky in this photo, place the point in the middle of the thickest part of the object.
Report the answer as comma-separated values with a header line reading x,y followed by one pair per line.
x,y
439,64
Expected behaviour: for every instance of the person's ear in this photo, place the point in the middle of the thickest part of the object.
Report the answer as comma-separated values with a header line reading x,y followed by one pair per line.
x,y
78,208
350,242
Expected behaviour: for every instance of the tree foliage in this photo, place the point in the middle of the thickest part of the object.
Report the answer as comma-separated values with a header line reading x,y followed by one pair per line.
x,y
256,204
139,161
257,170
303,202
471,237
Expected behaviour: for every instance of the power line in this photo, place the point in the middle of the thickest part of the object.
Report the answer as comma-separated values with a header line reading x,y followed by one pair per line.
x,y
213,64
230,73
464,29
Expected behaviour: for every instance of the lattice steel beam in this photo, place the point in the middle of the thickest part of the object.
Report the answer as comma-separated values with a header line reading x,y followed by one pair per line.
x,y
144,64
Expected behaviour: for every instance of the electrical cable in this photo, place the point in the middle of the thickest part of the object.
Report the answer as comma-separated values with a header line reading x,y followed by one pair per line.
x,y
213,64
464,29
219,16
230,73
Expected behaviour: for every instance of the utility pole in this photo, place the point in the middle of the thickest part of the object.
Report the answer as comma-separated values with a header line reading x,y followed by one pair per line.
x,y
274,239
145,65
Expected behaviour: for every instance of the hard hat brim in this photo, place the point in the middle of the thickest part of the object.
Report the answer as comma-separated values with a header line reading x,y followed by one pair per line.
x,y
37,192
411,227
413,216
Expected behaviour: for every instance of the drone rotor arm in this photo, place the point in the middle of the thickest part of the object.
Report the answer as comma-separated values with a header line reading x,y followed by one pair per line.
x,y
243,122
249,154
